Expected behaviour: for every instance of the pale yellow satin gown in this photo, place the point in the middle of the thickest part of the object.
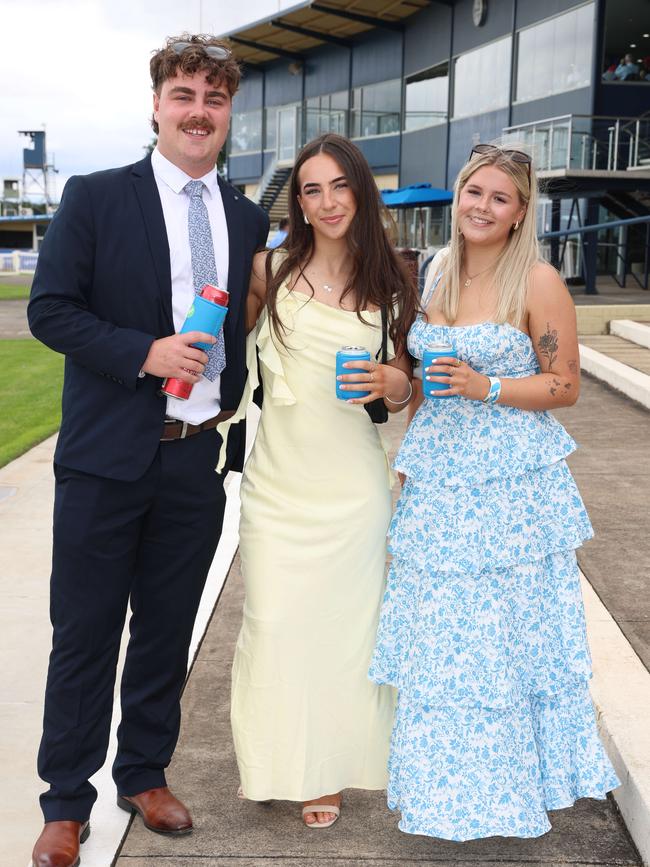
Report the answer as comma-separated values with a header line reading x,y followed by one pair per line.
x,y
316,506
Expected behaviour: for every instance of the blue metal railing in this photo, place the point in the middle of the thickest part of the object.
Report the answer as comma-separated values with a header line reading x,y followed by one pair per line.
x,y
590,247
588,261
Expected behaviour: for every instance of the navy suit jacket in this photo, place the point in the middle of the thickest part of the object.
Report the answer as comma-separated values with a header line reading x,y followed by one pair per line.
x,y
102,294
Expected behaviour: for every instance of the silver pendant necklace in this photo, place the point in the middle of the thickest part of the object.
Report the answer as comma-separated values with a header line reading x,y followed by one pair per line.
x,y
327,287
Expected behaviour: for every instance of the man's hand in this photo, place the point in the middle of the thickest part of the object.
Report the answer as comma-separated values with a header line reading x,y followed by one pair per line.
x,y
176,357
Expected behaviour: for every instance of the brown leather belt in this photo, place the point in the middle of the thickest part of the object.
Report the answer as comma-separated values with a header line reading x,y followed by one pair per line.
x,y
179,430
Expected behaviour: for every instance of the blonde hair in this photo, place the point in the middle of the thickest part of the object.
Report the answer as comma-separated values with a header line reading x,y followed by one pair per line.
x,y
519,255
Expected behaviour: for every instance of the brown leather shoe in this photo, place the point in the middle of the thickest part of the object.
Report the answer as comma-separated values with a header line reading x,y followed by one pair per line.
x,y
58,845
160,810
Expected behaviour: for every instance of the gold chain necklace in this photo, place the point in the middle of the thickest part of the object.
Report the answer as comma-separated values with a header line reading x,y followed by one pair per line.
x,y
468,282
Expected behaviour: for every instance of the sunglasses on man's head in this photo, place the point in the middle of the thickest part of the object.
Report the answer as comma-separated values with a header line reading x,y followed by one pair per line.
x,y
514,155
217,52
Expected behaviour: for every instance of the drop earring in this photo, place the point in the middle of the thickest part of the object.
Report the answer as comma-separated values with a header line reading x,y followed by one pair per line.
x,y
516,226
305,218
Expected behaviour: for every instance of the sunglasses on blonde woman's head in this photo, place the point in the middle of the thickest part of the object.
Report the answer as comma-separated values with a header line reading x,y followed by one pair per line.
x,y
514,155
217,52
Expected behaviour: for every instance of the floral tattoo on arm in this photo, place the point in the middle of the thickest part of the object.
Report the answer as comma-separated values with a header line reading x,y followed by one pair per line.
x,y
548,345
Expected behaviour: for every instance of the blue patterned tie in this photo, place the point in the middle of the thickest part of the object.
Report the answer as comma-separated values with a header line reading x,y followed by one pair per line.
x,y
204,269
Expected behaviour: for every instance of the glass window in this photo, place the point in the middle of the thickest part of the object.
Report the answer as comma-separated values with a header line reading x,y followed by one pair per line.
x,y
426,98
271,128
289,125
285,121
376,109
555,55
482,79
327,114
246,132
627,41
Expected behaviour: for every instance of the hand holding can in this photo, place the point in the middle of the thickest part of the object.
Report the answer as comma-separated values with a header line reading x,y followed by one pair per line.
x,y
207,313
432,390
350,353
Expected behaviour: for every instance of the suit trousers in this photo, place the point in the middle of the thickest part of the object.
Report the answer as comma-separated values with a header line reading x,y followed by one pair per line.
x,y
150,543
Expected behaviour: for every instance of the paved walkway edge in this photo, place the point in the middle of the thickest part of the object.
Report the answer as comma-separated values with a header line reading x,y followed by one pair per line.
x,y
621,692
629,330
632,383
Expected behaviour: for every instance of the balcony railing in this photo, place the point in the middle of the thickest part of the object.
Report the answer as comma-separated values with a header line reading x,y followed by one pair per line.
x,y
585,142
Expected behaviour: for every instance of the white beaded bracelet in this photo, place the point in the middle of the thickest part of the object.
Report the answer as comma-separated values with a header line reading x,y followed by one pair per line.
x,y
406,399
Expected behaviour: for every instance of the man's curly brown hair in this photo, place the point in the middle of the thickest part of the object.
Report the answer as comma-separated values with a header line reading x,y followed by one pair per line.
x,y
166,63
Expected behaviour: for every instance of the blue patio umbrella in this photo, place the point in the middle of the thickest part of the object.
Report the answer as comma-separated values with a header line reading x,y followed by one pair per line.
x,y
415,196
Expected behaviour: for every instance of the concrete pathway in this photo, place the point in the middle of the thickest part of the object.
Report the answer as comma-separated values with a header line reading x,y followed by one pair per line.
x,y
612,469
233,832
13,320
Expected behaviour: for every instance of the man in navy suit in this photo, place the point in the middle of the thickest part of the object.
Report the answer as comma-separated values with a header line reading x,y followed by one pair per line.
x,y
138,505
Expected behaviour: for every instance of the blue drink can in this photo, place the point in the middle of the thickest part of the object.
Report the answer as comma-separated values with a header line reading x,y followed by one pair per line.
x,y
350,353
207,313
436,350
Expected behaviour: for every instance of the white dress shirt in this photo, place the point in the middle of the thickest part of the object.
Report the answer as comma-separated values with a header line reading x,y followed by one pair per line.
x,y
205,400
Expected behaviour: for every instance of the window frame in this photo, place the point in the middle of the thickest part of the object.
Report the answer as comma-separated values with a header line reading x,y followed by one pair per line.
x,y
352,111
452,103
237,153
420,75
516,100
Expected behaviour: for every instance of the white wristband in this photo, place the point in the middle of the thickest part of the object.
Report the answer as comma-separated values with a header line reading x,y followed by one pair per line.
x,y
495,390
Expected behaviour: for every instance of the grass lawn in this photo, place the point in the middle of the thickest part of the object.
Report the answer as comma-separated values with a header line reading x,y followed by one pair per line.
x,y
12,291
31,376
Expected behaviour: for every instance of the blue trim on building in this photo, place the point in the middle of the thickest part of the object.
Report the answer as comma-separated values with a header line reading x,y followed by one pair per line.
x,y
36,218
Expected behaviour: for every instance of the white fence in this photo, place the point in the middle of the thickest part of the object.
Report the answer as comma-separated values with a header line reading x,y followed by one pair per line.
x,y
18,261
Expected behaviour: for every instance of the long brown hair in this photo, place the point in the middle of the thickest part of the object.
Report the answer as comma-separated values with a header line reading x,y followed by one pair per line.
x,y
379,276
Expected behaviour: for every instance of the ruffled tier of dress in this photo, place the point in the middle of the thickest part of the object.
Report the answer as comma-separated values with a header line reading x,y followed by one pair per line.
x,y
461,773
482,631
454,442
506,520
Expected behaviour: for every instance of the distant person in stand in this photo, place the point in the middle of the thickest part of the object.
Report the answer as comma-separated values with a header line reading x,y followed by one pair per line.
x,y
626,69
280,236
610,73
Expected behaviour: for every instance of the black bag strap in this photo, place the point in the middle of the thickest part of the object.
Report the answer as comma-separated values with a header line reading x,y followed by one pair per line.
x,y
384,336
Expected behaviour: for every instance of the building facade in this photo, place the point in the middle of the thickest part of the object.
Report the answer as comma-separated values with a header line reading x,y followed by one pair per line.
x,y
416,92
416,84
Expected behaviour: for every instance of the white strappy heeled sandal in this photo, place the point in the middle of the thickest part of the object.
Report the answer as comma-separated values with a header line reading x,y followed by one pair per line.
x,y
321,808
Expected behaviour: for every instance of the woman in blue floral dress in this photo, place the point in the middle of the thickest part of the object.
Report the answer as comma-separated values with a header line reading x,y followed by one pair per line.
x,y
482,628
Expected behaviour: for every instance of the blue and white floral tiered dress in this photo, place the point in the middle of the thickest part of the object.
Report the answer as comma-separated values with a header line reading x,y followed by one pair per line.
x,y
482,628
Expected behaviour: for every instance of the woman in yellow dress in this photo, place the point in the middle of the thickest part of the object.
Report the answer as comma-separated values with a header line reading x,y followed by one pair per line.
x,y
315,494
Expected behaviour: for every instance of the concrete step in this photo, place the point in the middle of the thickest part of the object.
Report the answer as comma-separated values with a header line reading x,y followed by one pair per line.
x,y
622,365
595,318
637,332
624,351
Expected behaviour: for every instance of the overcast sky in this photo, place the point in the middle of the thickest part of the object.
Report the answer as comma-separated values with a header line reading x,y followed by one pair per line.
x,y
81,67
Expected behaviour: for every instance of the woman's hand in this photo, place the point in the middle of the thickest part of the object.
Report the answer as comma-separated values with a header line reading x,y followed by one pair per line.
x,y
380,380
461,378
